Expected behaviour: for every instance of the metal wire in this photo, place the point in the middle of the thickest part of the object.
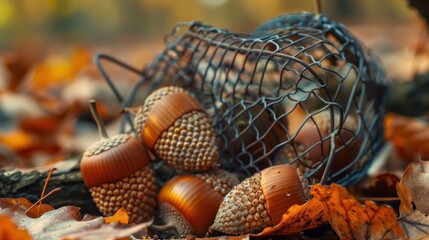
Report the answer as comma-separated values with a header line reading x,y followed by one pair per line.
x,y
300,89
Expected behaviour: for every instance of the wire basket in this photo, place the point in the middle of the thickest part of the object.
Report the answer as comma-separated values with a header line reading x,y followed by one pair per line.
x,y
300,89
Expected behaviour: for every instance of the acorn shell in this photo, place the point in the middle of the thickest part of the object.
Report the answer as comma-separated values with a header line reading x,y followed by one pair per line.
x,y
117,172
261,200
178,131
251,133
315,135
192,201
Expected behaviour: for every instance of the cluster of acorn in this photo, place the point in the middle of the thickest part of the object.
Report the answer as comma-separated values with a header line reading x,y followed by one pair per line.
x,y
173,126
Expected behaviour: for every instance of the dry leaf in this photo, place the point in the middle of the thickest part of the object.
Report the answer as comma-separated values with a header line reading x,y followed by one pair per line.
x,y
58,70
351,220
410,137
23,204
413,189
347,216
9,231
107,232
415,225
63,222
298,218
121,216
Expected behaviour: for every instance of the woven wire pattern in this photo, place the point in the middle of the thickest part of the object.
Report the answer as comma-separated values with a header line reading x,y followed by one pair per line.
x,y
264,89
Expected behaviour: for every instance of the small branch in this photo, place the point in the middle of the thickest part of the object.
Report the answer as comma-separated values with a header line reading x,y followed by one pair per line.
x,y
44,189
98,120
43,198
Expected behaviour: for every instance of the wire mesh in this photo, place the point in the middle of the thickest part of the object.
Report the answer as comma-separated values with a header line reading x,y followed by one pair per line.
x,y
300,89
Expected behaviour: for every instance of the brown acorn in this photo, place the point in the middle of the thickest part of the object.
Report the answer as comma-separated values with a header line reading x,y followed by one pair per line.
x,y
188,203
177,130
251,134
312,143
118,174
261,200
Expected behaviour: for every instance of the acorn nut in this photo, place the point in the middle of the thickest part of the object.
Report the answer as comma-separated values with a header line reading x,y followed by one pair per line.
x,y
177,130
188,203
118,174
312,144
261,200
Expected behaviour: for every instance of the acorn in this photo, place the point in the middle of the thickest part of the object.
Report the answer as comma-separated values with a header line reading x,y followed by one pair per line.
x,y
118,174
188,203
261,200
311,145
177,130
250,135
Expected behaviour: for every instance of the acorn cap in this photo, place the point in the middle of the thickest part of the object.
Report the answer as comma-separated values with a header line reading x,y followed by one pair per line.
x,y
178,131
260,201
194,201
111,159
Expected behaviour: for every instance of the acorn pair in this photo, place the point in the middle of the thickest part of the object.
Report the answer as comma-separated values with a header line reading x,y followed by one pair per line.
x,y
174,127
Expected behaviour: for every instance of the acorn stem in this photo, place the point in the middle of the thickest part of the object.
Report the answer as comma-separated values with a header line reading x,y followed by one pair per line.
x,y
166,227
97,118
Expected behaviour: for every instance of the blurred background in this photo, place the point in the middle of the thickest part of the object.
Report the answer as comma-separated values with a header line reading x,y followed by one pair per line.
x,y
48,26
46,47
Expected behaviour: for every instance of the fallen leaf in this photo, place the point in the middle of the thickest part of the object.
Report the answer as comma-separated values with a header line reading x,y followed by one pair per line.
x,y
413,189
415,225
298,218
9,231
23,204
121,216
351,220
410,136
63,222
107,232
58,70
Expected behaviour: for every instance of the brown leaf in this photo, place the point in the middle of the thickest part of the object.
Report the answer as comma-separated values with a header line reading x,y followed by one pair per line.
x,y
23,204
298,218
63,222
9,231
410,136
351,220
413,189
121,216
415,224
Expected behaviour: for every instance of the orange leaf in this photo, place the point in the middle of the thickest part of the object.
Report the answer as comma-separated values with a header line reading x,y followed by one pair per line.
x,y
409,136
59,70
120,216
351,220
298,218
24,204
9,231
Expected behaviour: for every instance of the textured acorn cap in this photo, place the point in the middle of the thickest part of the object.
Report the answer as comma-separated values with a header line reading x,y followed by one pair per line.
x,y
111,159
179,132
260,201
220,180
136,193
